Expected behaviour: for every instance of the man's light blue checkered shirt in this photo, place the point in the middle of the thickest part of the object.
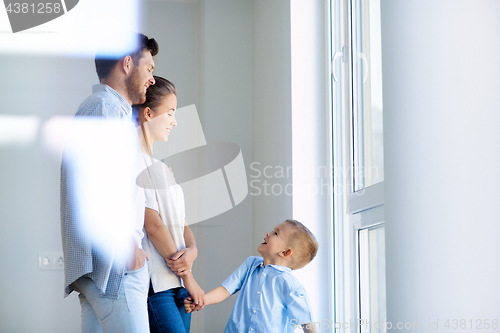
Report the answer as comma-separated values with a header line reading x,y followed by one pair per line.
x,y
270,297
81,258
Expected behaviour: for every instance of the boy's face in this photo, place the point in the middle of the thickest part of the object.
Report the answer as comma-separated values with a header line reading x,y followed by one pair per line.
x,y
275,241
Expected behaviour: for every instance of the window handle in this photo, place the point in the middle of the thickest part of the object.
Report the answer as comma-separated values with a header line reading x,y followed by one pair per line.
x,y
337,55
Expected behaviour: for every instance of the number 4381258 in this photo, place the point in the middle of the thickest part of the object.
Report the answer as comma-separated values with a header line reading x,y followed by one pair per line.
x,y
477,324
39,8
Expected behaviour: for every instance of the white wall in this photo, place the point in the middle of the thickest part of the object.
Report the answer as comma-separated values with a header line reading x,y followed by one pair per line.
x,y
175,25
225,100
271,116
32,299
441,82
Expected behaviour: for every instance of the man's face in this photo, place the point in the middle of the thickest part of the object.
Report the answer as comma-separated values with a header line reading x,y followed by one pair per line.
x,y
140,78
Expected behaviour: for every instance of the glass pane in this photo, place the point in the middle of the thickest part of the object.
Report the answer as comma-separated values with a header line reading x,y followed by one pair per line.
x,y
367,94
372,280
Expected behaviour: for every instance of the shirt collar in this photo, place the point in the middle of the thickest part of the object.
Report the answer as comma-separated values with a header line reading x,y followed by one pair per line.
x,y
277,267
127,108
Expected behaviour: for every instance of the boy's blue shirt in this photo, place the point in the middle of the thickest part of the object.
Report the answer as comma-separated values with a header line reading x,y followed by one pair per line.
x,y
270,297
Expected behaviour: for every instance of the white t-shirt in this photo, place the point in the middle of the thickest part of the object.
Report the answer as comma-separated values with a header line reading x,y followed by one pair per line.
x,y
168,201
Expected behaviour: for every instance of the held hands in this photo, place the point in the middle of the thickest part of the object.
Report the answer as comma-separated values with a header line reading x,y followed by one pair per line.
x,y
188,305
196,294
214,296
182,261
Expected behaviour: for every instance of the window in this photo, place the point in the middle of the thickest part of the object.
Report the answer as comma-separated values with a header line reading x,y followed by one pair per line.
x,y
358,165
367,93
372,278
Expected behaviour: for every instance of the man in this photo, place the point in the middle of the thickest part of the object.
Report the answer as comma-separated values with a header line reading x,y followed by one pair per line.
x,y
113,292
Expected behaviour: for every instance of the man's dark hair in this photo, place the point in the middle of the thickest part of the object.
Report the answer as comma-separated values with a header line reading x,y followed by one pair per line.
x,y
104,66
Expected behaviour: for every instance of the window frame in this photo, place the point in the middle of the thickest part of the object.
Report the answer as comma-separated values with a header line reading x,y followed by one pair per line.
x,y
353,211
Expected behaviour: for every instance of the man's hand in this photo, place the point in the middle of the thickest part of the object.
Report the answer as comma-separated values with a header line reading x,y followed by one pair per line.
x,y
182,261
137,260
188,305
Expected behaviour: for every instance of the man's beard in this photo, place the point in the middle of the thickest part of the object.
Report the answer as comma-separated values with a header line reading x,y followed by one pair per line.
x,y
135,88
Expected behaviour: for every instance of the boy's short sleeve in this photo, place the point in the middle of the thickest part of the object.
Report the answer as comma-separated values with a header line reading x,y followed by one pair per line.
x,y
298,306
235,281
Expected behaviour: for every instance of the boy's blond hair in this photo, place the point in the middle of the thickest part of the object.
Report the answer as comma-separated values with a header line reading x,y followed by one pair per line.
x,y
303,244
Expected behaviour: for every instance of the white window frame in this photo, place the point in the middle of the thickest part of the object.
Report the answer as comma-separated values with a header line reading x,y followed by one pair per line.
x,y
352,211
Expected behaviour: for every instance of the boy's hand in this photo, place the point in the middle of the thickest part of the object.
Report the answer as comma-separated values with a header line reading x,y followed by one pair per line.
x,y
188,305
182,261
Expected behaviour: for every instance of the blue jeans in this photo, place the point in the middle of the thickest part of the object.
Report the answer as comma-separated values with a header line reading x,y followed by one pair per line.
x,y
166,311
127,314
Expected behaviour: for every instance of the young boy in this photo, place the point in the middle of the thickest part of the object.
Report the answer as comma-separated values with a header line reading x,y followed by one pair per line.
x,y
271,299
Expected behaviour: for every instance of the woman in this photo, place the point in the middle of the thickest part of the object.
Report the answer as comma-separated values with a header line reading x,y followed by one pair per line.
x,y
169,241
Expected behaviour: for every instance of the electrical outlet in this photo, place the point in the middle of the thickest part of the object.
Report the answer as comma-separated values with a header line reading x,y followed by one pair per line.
x,y
50,260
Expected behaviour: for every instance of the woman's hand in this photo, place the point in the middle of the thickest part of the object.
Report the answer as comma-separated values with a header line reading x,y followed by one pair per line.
x,y
182,261
195,292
